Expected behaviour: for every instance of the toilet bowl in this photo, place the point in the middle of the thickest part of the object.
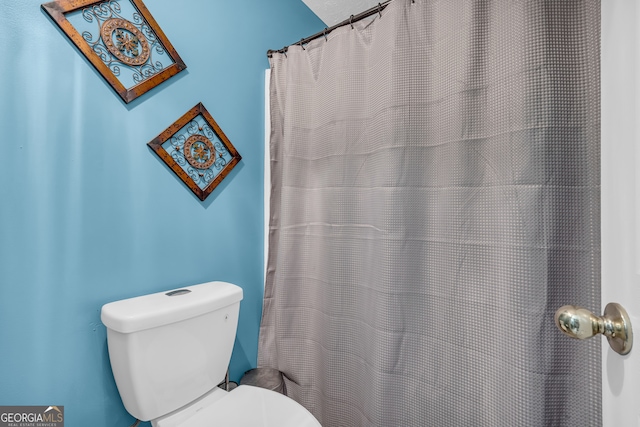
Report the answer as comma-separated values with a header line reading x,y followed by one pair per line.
x,y
245,406
170,350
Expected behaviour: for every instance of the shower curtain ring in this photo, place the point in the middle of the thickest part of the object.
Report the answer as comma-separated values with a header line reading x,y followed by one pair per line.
x,y
351,21
380,9
301,45
324,33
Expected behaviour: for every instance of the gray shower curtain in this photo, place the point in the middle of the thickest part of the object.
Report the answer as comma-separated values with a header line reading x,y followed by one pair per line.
x,y
435,198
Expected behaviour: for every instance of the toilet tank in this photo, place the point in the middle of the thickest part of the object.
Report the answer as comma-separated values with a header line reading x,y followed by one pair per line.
x,y
169,348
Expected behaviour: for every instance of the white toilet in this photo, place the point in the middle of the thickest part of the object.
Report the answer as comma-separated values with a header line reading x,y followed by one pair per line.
x,y
170,350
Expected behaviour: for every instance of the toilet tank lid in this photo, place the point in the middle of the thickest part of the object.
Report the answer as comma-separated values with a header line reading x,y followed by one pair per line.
x,y
150,311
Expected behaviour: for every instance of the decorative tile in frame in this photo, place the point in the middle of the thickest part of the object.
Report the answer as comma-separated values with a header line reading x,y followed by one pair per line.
x,y
121,40
197,150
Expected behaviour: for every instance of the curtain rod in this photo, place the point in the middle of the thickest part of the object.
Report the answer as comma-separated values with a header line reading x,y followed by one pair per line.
x,y
323,33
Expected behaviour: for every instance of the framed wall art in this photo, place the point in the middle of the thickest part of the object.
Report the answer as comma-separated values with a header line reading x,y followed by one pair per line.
x,y
197,150
121,40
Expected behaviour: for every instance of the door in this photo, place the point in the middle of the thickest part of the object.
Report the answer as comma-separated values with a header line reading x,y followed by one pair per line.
x,y
620,88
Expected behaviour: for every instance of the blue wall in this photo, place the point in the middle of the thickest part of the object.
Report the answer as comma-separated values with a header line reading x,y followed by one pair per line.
x,y
89,214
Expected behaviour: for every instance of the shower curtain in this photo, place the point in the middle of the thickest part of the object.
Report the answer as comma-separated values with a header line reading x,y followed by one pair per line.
x,y
435,198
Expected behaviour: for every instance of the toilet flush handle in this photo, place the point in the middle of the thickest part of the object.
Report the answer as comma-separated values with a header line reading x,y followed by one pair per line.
x,y
177,292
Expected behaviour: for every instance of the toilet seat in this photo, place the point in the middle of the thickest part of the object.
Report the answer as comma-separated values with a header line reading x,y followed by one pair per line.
x,y
247,406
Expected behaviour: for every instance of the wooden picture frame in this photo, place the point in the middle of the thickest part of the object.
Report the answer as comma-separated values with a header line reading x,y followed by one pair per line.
x,y
128,48
197,150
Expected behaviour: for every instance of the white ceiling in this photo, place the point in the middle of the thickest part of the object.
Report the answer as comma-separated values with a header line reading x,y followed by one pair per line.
x,y
335,11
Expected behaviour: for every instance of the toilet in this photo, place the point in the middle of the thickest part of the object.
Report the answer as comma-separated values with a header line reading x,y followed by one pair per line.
x,y
170,350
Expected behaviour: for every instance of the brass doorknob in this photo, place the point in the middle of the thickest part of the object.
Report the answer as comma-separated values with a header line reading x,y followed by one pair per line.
x,y
580,323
